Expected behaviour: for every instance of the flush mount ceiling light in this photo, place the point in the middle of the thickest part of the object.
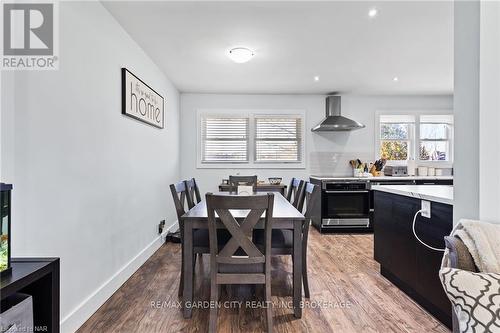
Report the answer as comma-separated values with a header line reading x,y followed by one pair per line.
x,y
373,12
316,78
395,79
240,54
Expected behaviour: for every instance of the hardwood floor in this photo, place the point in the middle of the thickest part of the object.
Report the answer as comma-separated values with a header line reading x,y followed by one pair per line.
x,y
347,295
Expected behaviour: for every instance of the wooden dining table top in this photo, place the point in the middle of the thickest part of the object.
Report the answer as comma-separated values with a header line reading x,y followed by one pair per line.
x,y
282,209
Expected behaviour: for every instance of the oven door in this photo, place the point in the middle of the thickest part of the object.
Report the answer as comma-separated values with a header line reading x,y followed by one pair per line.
x,y
348,204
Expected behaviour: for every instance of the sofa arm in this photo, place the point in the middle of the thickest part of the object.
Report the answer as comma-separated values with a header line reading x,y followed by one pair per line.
x,y
459,254
459,257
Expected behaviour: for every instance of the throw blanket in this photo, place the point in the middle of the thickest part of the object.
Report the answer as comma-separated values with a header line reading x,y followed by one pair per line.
x,y
475,296
483,242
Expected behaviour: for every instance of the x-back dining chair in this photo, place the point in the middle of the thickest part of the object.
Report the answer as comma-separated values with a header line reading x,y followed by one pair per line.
x,y
235,181
311,197
295,191
181,197
194,192
282,239
181,194
227,264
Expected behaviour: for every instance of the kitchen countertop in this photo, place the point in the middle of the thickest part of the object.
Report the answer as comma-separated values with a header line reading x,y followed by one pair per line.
x,y
383,178
436,193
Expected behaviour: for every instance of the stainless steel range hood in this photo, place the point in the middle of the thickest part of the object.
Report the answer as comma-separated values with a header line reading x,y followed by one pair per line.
x,y
333,120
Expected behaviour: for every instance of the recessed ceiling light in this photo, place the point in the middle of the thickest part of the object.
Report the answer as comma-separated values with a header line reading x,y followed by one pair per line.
x,y
395,79
316,78
373,12
240,54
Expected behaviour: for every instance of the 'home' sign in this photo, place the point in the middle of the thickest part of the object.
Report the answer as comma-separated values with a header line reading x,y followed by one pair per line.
x,y
140,101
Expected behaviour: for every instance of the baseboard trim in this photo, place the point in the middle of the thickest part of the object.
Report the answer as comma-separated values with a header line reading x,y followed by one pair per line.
x,y
92,303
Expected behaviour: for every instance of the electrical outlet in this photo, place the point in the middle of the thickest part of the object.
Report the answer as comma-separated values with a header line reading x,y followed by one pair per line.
x,y
426,209
161,226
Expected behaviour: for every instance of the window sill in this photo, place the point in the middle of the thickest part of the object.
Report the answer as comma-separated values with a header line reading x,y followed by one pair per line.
x,y
266,165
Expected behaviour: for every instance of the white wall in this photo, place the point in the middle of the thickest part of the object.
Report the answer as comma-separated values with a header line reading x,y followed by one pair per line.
x,y
466,109
326,153
90,185
489,194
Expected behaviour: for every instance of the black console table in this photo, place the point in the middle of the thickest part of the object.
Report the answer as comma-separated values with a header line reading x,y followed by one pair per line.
x,y
38,277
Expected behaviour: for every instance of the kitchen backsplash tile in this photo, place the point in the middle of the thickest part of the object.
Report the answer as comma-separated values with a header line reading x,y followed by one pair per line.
x,y
335,163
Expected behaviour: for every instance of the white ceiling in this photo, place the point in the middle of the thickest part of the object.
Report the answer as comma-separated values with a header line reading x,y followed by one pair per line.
x,y
295,41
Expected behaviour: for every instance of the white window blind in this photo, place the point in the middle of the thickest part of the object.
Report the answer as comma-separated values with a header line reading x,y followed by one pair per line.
x,y
224,139
278,138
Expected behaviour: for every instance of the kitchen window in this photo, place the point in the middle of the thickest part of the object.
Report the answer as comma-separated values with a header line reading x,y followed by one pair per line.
x,y
224,139
435,137
278,138
251,139
422,137
396,134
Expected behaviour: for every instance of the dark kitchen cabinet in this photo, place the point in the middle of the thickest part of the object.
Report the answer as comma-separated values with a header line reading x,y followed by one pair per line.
x,y
382,253
403,260
429,261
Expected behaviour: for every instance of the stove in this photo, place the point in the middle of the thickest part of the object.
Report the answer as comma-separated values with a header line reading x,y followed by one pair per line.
x,y
345,203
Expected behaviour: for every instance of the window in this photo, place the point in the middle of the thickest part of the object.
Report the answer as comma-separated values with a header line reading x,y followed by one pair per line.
x,y
423,137
278,138
395,137
251,138
224,139
435,134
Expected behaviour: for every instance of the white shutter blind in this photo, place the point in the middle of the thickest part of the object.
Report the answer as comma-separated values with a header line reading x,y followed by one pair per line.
x,y
397,118
437,119
278,139
224,139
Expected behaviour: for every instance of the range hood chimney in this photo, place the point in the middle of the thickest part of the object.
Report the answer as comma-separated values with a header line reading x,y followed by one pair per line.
x,y
333,120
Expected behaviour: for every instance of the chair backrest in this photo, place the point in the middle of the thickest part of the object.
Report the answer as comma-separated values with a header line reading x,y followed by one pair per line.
x,y
310,198
234,181
292,189
241,231
298,193
194,192
181,197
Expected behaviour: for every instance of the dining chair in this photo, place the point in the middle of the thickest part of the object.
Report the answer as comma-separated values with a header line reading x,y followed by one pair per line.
x,y
295,191
181,197
194,192
239,261
235,181
282,239
310,198
201,245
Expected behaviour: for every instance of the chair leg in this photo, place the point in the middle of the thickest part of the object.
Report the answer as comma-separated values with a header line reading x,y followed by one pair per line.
x,y
194,268
269,308
305,278
214,298
181,282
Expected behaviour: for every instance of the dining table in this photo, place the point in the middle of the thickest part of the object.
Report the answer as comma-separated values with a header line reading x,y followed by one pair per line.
x,y
285,216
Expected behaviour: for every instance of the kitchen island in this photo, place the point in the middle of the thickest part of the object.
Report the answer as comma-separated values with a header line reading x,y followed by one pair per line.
x,y
406,262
